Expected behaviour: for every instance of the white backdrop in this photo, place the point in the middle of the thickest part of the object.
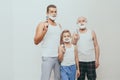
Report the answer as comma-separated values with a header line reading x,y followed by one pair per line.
x,y
6,40
21,59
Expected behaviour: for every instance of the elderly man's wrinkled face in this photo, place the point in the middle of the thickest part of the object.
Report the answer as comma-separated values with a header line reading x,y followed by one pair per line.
x,y
82,22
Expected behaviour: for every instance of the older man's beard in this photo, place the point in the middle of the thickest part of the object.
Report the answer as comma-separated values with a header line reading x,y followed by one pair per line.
x,y
82,26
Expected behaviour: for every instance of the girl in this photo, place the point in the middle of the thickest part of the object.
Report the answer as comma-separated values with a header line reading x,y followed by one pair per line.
x,y
68,57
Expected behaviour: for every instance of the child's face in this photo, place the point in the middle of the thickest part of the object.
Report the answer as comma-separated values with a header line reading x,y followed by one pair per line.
x,y
66,37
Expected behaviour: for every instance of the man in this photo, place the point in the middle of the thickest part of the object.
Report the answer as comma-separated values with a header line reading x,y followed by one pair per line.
x,y
88,50
49,33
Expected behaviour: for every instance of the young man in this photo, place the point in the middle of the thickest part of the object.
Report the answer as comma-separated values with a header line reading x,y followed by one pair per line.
x,y
88,50
49,33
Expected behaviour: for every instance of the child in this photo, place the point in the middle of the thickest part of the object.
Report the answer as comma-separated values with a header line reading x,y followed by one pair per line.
x,y
68,57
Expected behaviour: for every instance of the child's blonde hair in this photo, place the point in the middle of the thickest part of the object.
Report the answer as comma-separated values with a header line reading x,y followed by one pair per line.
x,y
61,37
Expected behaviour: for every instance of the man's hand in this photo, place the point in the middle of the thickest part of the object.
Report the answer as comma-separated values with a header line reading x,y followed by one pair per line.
x,y
76,37
96,64
45,27
78,73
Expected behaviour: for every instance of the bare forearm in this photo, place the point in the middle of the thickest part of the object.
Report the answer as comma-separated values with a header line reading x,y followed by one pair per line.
x,y
37,40
77,64
97,52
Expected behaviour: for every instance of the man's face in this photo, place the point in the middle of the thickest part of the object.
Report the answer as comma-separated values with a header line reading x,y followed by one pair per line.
x,y
82,20
52,12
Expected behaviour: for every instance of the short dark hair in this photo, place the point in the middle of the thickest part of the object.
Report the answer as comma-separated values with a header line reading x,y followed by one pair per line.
x,y
50,6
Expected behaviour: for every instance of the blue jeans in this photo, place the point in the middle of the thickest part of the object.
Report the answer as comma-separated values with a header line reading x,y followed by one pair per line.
x,y
68,72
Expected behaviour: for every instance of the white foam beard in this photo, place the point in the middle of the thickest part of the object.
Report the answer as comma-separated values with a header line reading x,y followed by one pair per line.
x,y
82,26
52,17
67,40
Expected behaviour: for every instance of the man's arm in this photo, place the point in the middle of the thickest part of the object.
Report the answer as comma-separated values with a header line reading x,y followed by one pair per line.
x,y
40,32
97,51
77,60
76,57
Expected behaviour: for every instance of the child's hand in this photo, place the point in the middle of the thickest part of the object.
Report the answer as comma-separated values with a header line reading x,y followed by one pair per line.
x,y
78,73
63,49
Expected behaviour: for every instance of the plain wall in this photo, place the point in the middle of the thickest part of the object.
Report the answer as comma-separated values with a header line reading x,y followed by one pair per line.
x,y
21,59
6,40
